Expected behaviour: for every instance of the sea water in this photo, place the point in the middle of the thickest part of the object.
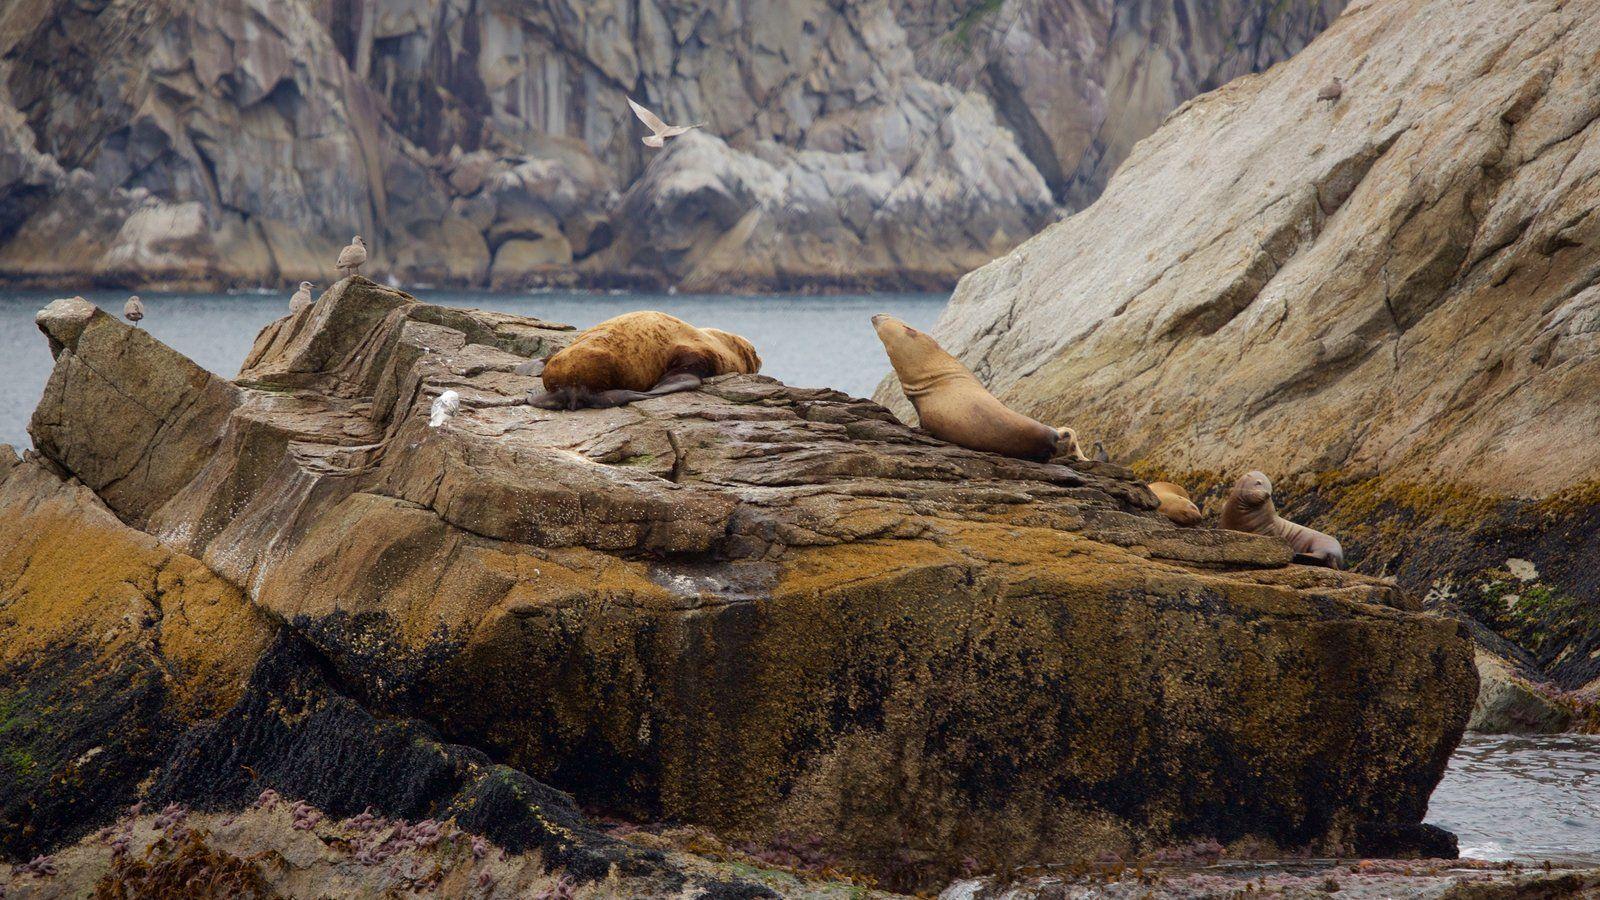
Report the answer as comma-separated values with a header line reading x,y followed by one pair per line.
x,y
808,341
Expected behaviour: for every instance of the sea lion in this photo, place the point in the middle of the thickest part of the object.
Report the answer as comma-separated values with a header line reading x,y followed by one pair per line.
x,y
1175,503
1249,508
639,355
955,407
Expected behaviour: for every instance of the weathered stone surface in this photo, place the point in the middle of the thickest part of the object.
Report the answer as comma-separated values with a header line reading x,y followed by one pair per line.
x,y
244,141
1364,880
779,612
1387,304
110,643
1508,704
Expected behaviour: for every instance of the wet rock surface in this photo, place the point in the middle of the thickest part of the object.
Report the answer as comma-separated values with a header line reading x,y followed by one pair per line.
x,y
883,143
775,612
1385,303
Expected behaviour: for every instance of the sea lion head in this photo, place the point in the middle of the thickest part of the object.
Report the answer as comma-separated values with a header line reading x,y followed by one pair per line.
x,y
1253,490
739,347
916,357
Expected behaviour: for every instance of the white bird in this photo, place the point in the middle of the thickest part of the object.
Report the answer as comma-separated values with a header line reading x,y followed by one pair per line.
x,y
1331,91
301,298
661,130
133,310
448,404
352,257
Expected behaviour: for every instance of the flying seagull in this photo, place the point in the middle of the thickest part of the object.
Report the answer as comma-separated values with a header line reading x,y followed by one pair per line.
x,y
352,257
133,310
661,130
448,404
301,298
1332,91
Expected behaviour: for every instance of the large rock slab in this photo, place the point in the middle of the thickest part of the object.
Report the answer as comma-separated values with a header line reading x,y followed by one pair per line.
x,y
1387,303
781,613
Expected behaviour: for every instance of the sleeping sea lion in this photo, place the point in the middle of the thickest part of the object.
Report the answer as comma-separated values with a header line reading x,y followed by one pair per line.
x,y
1249,508
638,355
955,407
1175,503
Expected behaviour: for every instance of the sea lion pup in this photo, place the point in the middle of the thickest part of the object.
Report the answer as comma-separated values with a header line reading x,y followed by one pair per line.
x,y
955,407
639,355
1249,508
1175,503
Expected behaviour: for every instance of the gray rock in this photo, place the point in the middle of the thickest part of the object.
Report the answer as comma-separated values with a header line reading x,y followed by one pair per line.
x,y
910,140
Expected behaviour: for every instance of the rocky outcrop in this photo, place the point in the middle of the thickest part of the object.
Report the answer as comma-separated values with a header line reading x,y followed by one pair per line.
x,y
1386,303
110,644
1508,703
892,142
775,612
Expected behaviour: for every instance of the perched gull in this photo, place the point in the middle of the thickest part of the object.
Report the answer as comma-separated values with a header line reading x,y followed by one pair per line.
x,y
448,404
352,257
662,130
133,310
301,298
1100,453
1332,91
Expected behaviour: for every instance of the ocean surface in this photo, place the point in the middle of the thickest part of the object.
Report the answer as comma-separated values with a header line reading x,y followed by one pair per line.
x,y
1521,798
1525,798
805,341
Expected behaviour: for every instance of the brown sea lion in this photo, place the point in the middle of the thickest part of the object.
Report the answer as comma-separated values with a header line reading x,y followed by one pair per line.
x,y
1175,503
639,355
954,406
1249,508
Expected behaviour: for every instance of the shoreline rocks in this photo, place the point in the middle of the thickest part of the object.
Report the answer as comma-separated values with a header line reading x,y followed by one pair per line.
x,y
766,610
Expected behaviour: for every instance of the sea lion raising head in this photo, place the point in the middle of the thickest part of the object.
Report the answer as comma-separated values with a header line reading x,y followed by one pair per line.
x,y
1249,508
954,406
639,355
1175,503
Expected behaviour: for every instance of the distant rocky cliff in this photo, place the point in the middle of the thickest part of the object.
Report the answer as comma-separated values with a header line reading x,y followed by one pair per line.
x,y
486,142
1391,304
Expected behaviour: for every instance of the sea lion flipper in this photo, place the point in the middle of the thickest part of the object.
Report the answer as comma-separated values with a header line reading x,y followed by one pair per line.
x,y
560,398
1321,558
673,382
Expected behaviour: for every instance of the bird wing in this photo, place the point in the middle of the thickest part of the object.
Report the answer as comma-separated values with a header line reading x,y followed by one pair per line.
x,y
676,130
649,118
352,255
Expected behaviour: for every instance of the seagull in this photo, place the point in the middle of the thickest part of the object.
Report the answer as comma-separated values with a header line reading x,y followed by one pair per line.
x,y
133,310
1100,453
448,404
301,298
662,130
1332,91
352,257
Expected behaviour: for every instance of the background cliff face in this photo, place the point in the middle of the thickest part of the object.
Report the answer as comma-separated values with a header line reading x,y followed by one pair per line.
x,y
1389,304
887,142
